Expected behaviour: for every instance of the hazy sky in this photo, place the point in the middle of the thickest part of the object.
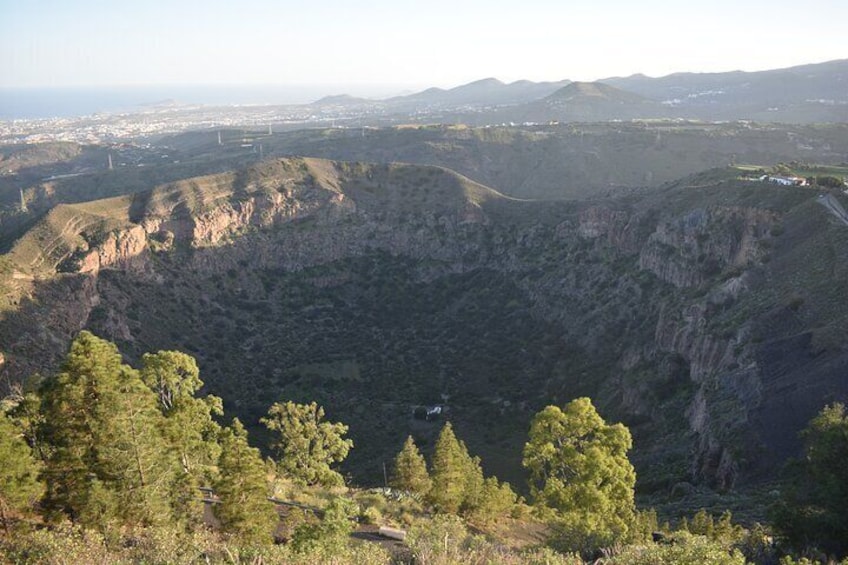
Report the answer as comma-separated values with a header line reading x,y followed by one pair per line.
x,y
403,42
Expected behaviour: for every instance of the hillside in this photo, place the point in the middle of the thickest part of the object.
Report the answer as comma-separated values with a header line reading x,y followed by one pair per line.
x,y
589,102
802,94
568,161
708,314
564,161
484,93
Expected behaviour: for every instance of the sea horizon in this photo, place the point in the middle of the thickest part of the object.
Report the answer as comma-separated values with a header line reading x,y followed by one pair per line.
x,y
31,103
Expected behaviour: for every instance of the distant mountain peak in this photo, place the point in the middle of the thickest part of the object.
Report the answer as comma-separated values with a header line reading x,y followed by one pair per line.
x,y
338,99
490,81
578,89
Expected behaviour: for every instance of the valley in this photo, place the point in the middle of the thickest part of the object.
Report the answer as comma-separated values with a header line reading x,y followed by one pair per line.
x,y
706,314
468,283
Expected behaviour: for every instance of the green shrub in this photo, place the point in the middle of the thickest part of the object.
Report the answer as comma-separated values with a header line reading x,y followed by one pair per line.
x,y
547,556
683,549
331,533
829,181
64,544
440,540
371,515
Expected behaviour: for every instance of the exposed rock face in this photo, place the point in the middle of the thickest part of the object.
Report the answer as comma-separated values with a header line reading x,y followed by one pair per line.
x,y
597,273
618,227
687,251
687,335
37,334
123,249
700,244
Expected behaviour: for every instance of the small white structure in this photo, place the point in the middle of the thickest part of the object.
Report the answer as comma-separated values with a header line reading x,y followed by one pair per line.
x,y
433,411
784,180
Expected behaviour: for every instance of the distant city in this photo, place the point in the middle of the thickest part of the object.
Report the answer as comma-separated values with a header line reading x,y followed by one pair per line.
x,y
115,115
110,128
806,94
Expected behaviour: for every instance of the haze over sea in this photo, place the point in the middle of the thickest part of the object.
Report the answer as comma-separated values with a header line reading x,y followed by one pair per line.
x,y
68,102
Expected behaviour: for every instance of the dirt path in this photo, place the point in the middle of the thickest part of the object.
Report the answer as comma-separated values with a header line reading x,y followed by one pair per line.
x,y
831,203
370,534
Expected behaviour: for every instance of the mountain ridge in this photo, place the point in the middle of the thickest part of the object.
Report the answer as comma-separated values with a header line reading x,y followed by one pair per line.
x,y
808,93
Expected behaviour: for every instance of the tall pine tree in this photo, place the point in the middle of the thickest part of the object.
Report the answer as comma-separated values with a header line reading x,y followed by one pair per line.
x,y
410,470
243,489
188,425
107,461
450,467
458,484
19,484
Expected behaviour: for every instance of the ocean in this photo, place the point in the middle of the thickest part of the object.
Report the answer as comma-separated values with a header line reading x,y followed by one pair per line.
x,y
37,103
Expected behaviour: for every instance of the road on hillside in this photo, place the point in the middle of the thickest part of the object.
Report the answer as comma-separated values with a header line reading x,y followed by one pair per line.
x,y
831,203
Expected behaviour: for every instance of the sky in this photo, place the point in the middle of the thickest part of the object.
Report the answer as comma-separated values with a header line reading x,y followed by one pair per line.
x,y
381,45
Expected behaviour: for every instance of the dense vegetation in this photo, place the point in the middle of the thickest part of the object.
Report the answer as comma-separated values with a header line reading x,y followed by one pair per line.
x,y
105,462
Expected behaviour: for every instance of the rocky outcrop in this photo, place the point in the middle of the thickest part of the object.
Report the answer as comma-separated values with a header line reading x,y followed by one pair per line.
x,y
226,228
617,228
691,248
686,334
36,335
122,249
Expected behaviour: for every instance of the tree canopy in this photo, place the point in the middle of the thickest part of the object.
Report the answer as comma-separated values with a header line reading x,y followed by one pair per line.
x,y
307,445
812,513
120,446
189,424
410,470
243,489
579,470
101,423
451,464
458,484
20,488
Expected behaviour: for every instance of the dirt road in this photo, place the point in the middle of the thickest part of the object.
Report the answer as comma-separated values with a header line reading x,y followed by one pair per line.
x,y
830,202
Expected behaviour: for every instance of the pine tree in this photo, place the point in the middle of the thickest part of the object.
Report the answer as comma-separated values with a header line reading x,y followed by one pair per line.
x,y
474,483
133,460
410,470
450,467
243,489
702,524
106,461
307,445
724,529
496,500
188,426
19,484
458,484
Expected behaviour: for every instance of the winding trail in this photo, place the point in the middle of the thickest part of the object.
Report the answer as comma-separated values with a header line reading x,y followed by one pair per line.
x,y
831,203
